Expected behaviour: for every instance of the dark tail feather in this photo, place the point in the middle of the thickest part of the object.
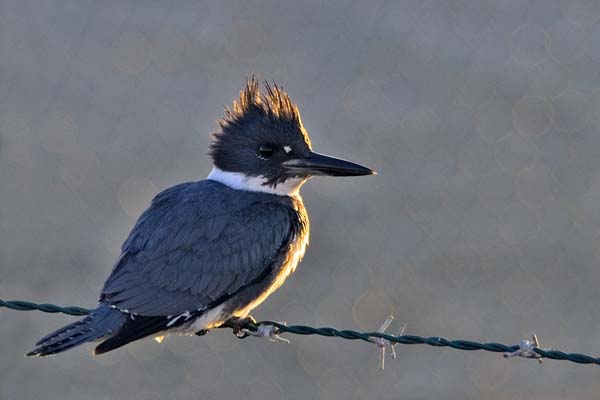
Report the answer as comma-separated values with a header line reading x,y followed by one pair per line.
x,y
101,322
134,329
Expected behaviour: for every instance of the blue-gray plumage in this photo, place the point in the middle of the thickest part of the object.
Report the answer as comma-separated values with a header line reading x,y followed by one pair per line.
x,y
206,253
199,242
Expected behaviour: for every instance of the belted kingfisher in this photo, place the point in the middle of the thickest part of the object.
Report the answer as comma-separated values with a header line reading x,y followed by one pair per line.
x,y
206,253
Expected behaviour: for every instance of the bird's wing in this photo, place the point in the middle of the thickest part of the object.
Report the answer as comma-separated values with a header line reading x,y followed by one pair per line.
x,y
196,244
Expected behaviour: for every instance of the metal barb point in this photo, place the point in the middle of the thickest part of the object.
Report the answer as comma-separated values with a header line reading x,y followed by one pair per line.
x,y
383,343
266,331
527,349
400,332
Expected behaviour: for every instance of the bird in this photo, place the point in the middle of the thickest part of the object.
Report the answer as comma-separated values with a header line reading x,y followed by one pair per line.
x,y
206,253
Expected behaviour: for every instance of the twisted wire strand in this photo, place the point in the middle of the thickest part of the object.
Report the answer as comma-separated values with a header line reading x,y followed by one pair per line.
x,y
48,308
349,334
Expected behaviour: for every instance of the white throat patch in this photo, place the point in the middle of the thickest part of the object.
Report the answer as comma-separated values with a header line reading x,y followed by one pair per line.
x,y
239,181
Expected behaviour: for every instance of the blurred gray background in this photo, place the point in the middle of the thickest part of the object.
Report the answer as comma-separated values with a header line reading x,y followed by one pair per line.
x,y
482,118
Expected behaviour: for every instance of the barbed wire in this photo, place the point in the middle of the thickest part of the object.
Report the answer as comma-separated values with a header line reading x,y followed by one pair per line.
x,y
526,348
48,308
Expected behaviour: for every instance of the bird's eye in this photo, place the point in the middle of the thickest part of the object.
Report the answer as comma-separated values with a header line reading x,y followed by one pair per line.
x,y
265,151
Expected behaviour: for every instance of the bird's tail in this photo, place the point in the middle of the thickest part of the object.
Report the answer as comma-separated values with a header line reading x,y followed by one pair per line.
x,y
101,322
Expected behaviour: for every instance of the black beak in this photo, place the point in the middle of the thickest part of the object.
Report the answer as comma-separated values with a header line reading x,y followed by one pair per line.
x,y
319,164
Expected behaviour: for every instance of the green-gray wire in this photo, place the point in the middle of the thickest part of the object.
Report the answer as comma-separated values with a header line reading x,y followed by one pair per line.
x,y
344,334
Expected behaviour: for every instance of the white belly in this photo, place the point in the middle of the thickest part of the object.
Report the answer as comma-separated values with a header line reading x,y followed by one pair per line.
x,y
210,319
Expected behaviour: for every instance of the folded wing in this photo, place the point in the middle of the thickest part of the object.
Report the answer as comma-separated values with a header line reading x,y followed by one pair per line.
x,y
196,244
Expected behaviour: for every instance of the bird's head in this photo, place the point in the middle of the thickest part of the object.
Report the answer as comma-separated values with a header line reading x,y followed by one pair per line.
x,y
262,145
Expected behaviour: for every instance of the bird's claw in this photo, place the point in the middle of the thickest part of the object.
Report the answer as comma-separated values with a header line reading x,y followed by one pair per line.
x,y
247,326
239,324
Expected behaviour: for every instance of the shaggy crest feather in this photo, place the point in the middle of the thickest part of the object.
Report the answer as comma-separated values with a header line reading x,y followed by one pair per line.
x,y
273,106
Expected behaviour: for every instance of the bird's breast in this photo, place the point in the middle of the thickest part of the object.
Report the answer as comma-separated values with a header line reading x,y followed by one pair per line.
x,y
292,255
218,315
291,261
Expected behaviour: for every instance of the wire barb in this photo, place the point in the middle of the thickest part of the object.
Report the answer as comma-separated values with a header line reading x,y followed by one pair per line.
x,y
382,343
435,341
400,332
527,349
266,331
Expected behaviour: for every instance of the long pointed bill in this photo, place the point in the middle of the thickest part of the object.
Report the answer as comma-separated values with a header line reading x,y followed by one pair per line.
x,y
319,164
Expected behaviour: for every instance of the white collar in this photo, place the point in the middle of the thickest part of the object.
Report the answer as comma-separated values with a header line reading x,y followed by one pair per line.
x,y
240,181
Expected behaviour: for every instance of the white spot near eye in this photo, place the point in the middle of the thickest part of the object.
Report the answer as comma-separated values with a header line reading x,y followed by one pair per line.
x,y
287,149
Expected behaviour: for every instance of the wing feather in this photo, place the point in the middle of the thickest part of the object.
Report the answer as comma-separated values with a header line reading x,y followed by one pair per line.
x,y
197,243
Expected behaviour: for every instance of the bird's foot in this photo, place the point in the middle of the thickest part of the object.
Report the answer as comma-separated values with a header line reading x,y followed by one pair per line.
x,y
238,324
201,332
244,327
